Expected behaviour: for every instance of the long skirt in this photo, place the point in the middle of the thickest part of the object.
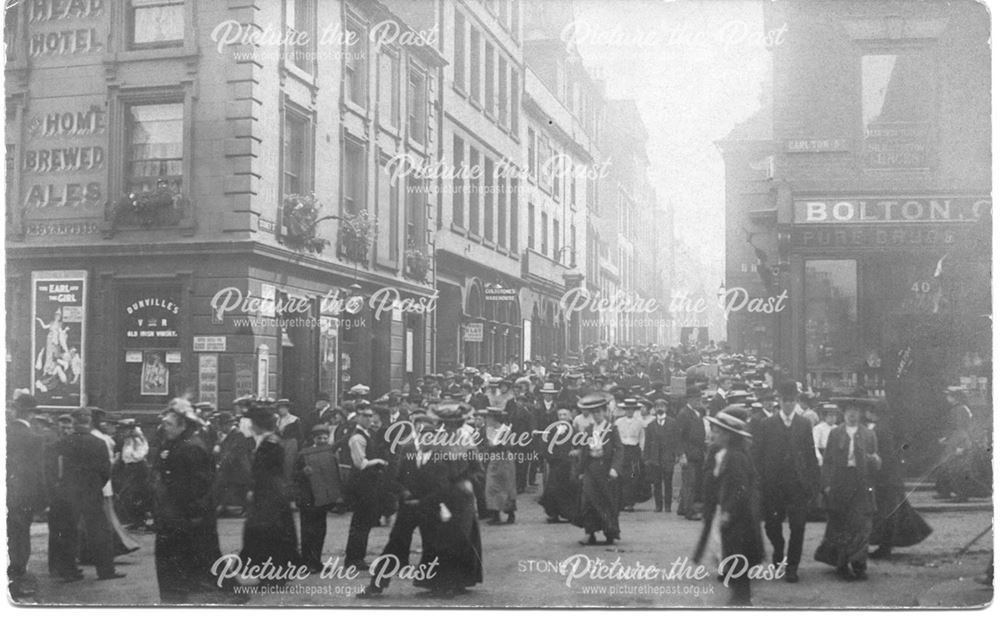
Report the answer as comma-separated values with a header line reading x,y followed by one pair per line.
x,y
184,560
269,531
561,492
599,505
634,487
849,521
501,486
896,522
454,542
134,495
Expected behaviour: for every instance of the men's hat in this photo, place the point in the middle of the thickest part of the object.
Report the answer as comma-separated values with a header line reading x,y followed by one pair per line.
x,y
629,403
223,417
495,381
825,408
736,394
127,422
574,375
729,422
98,415
470,370
323,396
282,401
496,413
359,389
957,391
204,406
246,399
64,418
548,388
788,389
320,429
595,400
43,419
522,381
24,402
82,416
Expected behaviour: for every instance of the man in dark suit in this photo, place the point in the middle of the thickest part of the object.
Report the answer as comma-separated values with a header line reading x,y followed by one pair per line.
x,y
785,460
81,468
691,435
661,454
25,492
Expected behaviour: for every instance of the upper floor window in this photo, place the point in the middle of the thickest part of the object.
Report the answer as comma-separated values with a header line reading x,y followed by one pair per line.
x,y
475,68
388,89
300,42
155,138
294,145
459,50
502,100
491,76
898,95
156,23
416,106
531,153
353,177
515,100
356,65
10,31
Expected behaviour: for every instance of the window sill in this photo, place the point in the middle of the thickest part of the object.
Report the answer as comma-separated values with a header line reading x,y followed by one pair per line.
x,y
416,145
173,52
299,73
490,244
459,91
394,131
459,229
476,104
475,237
355,108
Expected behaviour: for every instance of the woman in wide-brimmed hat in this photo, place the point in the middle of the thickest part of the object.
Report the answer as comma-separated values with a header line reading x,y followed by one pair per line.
x,y
501,482
451,532
730,493
896,523
850,463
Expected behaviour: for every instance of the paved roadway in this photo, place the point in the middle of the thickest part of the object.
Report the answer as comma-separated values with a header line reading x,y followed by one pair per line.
x,y
522,568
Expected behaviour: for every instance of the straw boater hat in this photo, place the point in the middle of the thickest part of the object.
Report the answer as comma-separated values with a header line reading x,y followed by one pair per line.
x,y
727,420
629,403
548,388
496,413
593,401
450,413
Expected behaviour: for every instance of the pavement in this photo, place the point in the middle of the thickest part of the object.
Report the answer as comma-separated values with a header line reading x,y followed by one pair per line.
x,y
528,564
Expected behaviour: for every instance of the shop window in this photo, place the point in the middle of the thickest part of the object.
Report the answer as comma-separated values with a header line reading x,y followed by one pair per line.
x,y
300,20
831,319
897,92
156,23
416,106
155,137
388,90
356,65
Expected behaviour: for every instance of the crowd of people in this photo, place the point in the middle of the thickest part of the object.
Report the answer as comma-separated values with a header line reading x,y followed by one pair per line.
x,y
599,436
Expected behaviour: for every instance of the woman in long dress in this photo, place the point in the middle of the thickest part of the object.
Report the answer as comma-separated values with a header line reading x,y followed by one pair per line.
x,y
451,534
269,530
501,480
896,523
600,469
561,492
850,464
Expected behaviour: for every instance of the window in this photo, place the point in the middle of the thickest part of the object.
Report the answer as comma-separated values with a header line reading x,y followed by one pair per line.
x,y
474,190
515,18
155,137
544,249
353,177
459,50
898,94
531,226
531,153
416,214
572,188
514,222
572,246
545,164
475,70
156,23
387,241
557,174
458,183
831,328
11,196
294,147
416,106
490,182
300,21
10,32
505,8
502,211
491,76
503,104
388,90
515,101
356,65
556,247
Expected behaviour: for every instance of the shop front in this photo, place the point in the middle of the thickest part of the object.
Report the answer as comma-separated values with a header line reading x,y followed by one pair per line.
x,y
893,306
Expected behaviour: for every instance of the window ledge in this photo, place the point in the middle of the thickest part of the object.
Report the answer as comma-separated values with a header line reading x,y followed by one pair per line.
x,y
475,236
355,108
455,227
299,73
178,52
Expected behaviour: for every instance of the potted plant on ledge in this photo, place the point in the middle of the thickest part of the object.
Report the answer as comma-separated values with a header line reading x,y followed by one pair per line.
x,y
418,264
300,214
355,236
160,206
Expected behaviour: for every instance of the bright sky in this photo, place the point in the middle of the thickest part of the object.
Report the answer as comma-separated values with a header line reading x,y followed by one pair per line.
x,y
695,69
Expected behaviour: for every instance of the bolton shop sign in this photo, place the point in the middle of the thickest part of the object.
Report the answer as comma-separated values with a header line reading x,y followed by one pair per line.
x,y
881,210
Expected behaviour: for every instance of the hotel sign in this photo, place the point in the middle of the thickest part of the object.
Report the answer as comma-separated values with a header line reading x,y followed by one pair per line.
x,y
894,210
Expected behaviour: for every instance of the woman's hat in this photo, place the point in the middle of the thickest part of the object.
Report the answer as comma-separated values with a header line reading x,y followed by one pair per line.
x,y
181,407
260,413
450,413
496,413
629,403
729,422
